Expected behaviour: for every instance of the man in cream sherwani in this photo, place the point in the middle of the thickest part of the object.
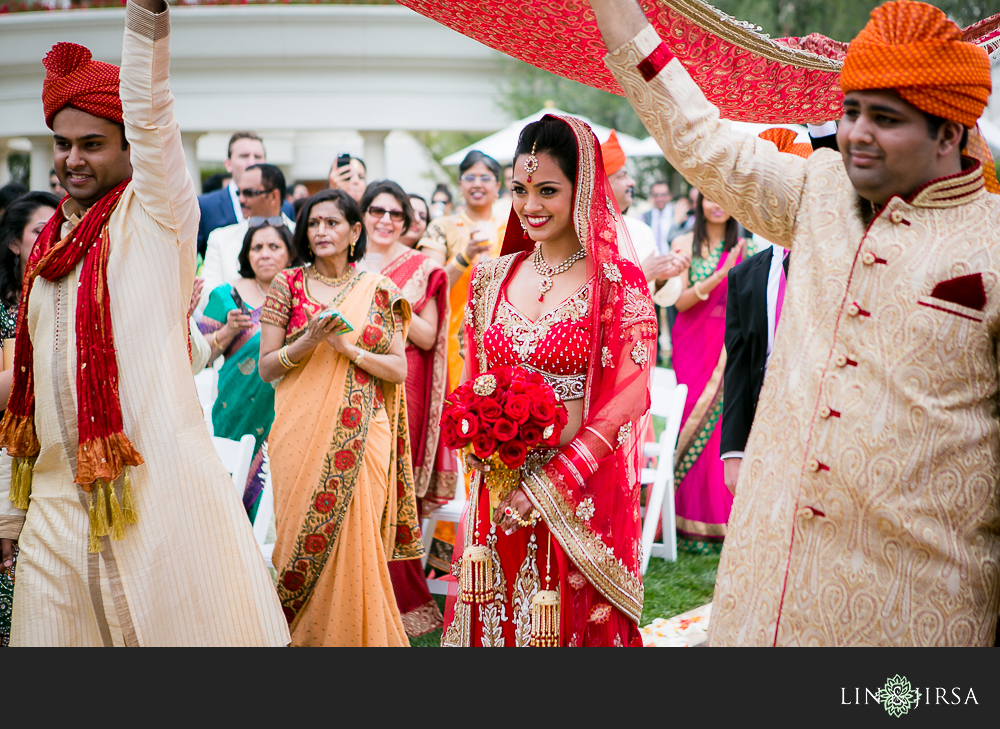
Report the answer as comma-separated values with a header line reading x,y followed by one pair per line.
x,y
183,568
866,510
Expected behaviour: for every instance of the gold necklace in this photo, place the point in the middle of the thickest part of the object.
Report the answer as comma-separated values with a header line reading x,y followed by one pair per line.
x,y
331,281
547,272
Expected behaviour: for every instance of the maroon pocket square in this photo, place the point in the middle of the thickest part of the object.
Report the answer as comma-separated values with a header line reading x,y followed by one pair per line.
x,y
965,291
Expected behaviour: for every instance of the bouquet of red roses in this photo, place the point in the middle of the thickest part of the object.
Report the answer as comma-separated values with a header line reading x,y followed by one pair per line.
x,y
501,415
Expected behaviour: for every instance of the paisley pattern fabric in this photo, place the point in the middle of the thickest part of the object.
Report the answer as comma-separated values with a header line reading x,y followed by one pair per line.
x,y
866,509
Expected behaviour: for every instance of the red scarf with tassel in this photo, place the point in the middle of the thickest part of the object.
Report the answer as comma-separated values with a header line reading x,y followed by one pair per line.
x,y
103,451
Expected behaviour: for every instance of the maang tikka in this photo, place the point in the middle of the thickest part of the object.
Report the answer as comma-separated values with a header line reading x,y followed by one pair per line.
x,y
531,161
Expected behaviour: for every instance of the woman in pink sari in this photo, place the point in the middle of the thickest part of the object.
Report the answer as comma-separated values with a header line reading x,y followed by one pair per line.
x,y
564,300
702,500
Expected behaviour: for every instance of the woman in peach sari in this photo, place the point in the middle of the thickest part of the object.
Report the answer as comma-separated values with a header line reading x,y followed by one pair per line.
x,y
343,487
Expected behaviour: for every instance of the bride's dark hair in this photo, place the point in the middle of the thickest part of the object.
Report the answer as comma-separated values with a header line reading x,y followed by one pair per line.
x,y
552,137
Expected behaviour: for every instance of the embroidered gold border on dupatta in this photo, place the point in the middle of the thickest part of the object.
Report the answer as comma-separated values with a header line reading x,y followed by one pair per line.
x,y
587,551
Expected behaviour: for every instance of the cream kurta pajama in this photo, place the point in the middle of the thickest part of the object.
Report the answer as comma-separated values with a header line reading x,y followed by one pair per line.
x,y
866,511
190,572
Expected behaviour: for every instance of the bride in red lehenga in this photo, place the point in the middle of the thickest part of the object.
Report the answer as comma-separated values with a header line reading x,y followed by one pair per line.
x,y
566,300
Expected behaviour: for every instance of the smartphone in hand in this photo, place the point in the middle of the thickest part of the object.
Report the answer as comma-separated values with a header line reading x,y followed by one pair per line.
x,y
240,304
337,316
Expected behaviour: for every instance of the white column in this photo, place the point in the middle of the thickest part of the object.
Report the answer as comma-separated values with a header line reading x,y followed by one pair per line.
x,y
41,162
375,154
190,142
4,170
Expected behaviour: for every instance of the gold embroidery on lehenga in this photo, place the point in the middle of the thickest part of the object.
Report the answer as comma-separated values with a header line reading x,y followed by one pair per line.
x,y
526,335
525,588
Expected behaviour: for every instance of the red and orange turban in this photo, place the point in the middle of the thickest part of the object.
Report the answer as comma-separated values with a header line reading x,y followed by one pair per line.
x,y
73,78
913,48
784,140
614,156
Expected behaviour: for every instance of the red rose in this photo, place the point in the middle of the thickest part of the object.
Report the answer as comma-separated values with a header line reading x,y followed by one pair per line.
x,y
449,435
518,387
344,460
289,614
517,408
360,376
325,501
542,412
484,445
351,417
513,454
531,435
403,534
504,430
314,544
371,335
293,581
553,440
489,410
562,416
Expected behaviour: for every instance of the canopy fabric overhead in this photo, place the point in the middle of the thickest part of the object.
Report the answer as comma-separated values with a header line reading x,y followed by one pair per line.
x,y
748,75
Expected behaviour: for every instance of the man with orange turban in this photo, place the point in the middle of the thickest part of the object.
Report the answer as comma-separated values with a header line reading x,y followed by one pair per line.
x,y
657,268
866,506
130,530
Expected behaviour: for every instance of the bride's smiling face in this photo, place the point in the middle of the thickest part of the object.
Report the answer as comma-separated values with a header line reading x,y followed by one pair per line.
x,y
544,205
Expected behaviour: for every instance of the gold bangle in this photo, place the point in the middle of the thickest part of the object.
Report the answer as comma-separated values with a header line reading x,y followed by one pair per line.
x,y
360,358
697,292
215,341
460,266
285,361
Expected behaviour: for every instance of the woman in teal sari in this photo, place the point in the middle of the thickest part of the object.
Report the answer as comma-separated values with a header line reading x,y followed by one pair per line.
x,y
231,323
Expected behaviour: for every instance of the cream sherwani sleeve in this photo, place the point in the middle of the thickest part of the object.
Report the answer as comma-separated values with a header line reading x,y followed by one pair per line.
x,y
755,183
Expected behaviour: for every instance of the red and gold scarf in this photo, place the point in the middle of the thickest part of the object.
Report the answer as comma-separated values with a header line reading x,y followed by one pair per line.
x,y
103,451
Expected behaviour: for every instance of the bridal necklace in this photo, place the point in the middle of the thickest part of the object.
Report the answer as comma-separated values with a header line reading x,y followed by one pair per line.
x,y
332,281
547,272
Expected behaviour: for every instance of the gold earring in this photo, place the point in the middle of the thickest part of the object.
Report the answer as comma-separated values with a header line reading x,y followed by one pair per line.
x,y
352,249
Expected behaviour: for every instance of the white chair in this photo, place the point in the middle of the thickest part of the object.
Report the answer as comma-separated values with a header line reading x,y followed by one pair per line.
x,y
237,456
667,401
452,511
265,513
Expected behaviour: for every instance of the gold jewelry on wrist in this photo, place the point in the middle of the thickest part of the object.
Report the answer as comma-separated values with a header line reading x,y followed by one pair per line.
x,y
697,292
529,522
215,341
359,358
285,361
458,264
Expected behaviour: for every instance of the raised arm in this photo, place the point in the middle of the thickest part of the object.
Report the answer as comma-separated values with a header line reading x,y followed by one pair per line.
x,y
749,177
160,179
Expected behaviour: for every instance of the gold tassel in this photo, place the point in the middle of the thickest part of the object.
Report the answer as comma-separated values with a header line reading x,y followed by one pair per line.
x,y
545,619
20,482
117,519
101,512
95,543
128,505
477,575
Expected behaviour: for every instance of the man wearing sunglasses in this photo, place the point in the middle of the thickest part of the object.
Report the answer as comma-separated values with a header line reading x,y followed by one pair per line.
x,y
262,191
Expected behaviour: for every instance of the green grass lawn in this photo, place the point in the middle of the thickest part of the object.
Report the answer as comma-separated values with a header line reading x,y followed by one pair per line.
x,y
671,589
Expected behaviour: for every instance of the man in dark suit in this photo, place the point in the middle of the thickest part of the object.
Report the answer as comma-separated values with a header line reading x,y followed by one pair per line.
x,y
753,308
222,207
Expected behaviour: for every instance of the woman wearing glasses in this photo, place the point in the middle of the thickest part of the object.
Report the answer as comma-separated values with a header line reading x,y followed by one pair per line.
x,y
388,215
457,242
231,324
332,339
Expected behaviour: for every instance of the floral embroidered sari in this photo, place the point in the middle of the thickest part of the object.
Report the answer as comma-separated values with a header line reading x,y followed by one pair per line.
x,y
588,492
702,500
421,280
245,404
344,502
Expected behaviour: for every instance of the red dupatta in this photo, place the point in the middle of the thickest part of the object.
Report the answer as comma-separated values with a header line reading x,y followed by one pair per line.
x,y
588,494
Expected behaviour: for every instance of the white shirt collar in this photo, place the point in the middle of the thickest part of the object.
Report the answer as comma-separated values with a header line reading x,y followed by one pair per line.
x,y
234,195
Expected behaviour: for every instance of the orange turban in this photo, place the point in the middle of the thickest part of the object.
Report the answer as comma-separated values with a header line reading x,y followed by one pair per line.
x,y
614,156
784,140
913,48
72,78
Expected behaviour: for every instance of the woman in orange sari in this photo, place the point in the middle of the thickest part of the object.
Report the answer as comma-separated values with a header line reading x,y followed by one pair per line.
x,y
344,503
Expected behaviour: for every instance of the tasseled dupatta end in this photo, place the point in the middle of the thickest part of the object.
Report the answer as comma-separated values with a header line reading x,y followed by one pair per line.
x,y
108,517
18,435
